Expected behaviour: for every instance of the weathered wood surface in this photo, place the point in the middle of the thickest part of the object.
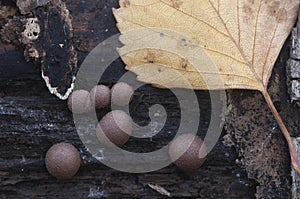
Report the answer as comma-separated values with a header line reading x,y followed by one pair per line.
x,y
31,120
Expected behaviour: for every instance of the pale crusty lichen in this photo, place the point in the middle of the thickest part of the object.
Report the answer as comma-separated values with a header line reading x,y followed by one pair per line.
x,y
32,30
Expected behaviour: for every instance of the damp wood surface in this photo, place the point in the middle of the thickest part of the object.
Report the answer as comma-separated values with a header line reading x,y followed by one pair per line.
x,y
250,159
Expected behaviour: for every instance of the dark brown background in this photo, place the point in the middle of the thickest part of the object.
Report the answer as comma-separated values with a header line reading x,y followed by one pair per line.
x,y
31,120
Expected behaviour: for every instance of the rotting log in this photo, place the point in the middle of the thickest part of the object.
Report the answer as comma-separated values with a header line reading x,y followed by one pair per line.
x,y
31,120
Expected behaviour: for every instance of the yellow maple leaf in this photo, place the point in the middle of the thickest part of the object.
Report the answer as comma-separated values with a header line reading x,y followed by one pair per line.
x,y
237,43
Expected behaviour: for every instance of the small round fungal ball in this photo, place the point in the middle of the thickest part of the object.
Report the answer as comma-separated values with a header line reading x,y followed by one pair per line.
x,y
121,93
62,161
114,128
184,157
79,101
100,96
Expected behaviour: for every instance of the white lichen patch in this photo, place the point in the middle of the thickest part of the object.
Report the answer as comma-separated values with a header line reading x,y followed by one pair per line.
x,y
55,90
32,30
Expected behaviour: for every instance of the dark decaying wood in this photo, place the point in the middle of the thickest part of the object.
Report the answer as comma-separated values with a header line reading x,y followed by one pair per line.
x,y
31,120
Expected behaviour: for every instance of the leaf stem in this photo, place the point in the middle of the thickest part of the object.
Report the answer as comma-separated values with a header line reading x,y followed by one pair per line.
x,y
294,160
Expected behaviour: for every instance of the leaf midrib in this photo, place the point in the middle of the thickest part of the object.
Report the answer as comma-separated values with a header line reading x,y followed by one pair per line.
x,y
258,79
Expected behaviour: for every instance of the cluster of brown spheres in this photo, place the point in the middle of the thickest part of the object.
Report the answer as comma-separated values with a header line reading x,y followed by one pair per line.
x,y
82,101
116,126
62,160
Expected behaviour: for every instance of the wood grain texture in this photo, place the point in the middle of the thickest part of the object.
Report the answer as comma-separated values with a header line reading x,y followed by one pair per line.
x,y
31,120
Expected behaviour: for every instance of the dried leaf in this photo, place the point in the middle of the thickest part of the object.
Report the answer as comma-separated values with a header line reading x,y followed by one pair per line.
x,y
242,38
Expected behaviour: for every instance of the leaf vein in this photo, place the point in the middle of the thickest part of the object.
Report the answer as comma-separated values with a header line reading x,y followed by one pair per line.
x,y
238,47
238,18
255,34
202,21
233,58
184,71
268,52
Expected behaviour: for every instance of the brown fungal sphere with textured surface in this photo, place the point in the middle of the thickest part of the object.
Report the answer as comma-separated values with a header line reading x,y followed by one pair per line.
x,y
114,128
62,161
121,93
100,96
79,101
184,157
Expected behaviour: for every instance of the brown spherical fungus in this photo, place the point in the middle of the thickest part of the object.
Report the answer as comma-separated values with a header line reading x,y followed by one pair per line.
x,y
186,152
79,101
62,161
100,96
114,128
121,93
